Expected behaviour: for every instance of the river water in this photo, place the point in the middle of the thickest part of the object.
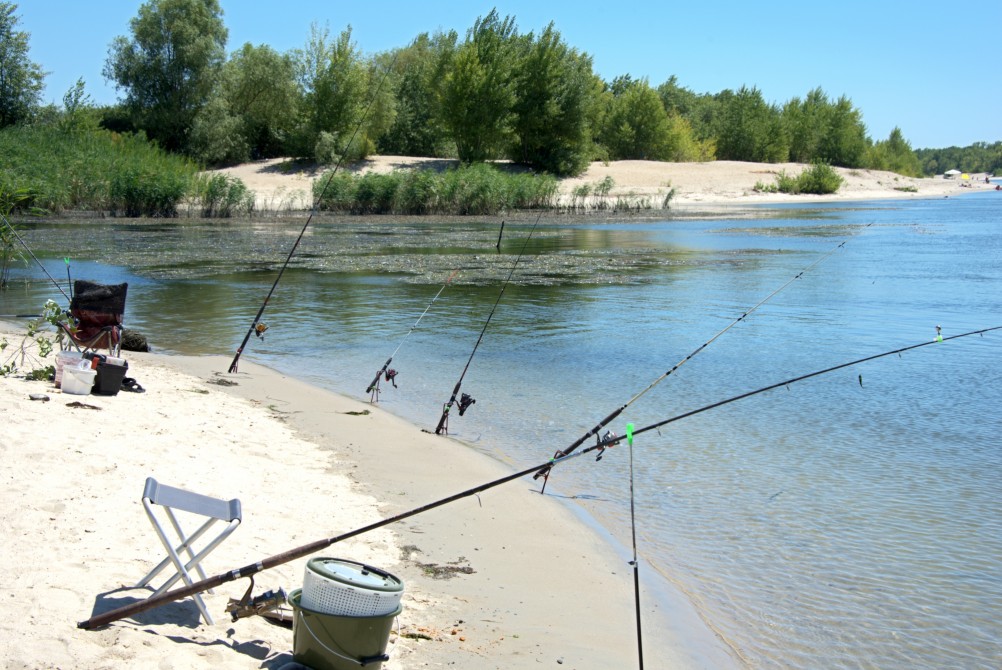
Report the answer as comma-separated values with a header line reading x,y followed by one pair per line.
x,y
851,520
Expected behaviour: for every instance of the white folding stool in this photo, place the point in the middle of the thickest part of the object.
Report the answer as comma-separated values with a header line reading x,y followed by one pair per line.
x,y
171,500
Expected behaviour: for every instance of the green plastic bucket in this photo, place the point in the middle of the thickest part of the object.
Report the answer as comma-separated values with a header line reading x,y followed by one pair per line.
x,y
333,642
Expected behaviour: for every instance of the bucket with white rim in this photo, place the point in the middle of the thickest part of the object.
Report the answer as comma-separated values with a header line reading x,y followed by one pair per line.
x,y
78,379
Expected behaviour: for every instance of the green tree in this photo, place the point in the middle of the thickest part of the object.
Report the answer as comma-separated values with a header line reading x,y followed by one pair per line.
x,y
334,79
21,80
259,87
845,142
78,112
552,96
637,126
478,93
977,157
417,128
749,129
701,111
895,154
170,65
217,135
677,99
807,124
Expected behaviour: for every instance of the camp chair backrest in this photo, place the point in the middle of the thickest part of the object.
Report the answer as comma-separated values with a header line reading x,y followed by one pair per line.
x,y
99,301
97,308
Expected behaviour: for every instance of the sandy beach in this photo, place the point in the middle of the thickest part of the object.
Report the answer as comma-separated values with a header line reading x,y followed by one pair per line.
x,y
280,184
503,579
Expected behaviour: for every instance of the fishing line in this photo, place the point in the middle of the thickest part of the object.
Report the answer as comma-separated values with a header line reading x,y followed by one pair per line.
x,y
35,258
613,439
545,472
313,547
391,374
256,325
466,400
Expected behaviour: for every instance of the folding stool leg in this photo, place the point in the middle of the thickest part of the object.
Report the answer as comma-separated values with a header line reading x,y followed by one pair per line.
x,y
186,542
185,545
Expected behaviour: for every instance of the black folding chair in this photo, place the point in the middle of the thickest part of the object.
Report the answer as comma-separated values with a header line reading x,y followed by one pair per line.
x,y
98,311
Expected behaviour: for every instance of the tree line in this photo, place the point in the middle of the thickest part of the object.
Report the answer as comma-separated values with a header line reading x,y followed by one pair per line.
x,y
494,93
978,157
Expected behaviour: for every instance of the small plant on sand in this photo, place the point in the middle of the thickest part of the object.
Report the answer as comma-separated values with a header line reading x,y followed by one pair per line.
x,y
669,196
603,188
36,345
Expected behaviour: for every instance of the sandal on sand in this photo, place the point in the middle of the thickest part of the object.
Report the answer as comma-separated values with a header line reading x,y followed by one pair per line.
x,y
130,384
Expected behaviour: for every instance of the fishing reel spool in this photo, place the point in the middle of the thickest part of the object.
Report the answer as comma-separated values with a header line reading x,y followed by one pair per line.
x,y
599,441
465,401
391,376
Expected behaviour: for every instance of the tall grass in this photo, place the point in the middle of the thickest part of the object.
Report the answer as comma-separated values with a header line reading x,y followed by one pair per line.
x,y
479,189
93,170
220,195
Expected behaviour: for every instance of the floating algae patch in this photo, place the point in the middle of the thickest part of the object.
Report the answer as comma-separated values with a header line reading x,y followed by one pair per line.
x,y
794,230
559,252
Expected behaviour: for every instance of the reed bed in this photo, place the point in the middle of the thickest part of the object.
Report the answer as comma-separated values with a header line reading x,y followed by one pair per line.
x,y
477,189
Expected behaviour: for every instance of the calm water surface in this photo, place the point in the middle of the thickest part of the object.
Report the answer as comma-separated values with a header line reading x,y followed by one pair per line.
x,y
853,520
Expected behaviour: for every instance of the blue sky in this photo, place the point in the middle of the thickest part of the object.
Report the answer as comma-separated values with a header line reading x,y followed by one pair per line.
x,y
928,67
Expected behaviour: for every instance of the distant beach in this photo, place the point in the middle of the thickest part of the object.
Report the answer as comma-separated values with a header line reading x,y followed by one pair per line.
x,y
283,184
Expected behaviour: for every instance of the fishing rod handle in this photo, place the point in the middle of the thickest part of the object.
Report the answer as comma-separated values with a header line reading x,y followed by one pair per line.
x,y
111,616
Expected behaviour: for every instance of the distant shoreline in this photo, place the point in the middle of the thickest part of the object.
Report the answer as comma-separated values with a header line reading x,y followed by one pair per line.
x,y
285,185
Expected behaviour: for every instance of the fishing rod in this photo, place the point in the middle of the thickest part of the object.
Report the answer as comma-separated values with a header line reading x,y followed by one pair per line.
x,y
256,325
299,552
600,447
545,472
465,400
635,562
35,258
392,374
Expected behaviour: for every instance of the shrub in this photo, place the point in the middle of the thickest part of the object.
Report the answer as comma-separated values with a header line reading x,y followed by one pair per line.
x,y
221,195
418,192
135,191
375,193
335,192
786,184
819,179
